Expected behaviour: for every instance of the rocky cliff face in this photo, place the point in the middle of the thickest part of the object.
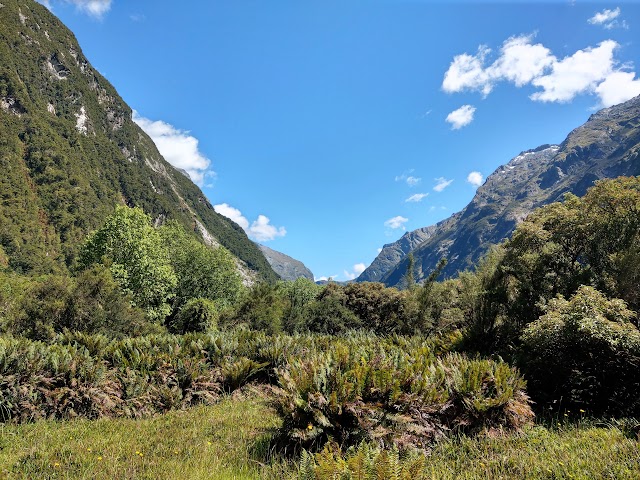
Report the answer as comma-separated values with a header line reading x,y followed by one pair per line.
x,y
286,267
606,146
69,152
392,253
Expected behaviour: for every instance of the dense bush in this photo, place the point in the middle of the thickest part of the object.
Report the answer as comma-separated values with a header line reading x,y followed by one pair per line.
x,y
197,315
583,354
328,313
92,302
380,309
593,240
263,309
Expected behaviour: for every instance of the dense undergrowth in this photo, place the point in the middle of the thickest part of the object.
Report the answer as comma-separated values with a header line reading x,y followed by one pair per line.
x,y
397,390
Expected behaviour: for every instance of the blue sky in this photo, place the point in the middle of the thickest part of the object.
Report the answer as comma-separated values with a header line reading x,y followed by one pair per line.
x,y
327,129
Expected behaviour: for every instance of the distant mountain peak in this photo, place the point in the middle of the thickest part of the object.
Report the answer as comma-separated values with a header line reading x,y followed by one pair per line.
x,y
286,267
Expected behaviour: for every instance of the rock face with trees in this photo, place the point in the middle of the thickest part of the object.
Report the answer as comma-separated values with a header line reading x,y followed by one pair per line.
x,y
62,177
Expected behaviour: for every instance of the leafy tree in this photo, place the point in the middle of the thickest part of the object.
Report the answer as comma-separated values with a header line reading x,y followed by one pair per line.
x,y
202,271
299,294
263,308
137,258
594,240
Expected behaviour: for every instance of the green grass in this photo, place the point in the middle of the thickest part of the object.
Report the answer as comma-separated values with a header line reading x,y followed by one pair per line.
x,y
567,451
225,441
230,441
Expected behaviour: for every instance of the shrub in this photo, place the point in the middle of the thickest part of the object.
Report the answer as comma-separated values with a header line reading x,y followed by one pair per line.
x,y
96,304
393,396
380,309
583,353
44,307
328,313
197,315
262,309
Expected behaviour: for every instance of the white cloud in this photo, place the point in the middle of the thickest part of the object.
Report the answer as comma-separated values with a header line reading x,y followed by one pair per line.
x,y
461,117
95,8
233,214
396,222
263,231
475,179
617,88
413,181
441,184
358,268
177,147
607,18
260,230
467,72
417,197
593,70
520,61
379,250
576,74
409,179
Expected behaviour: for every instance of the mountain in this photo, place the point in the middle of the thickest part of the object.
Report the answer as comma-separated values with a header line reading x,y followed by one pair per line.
x,y
69,152
606,146
286,267
392,253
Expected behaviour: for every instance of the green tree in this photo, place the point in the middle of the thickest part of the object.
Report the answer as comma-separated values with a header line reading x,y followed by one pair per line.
x,y
410,275
593,240
202,271
299,294
137,258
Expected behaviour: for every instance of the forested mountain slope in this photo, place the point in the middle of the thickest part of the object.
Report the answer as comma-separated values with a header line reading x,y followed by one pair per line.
x,y
69,152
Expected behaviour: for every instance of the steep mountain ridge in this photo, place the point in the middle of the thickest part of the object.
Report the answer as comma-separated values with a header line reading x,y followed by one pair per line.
x,y
70,152
392,253
286,267
606,146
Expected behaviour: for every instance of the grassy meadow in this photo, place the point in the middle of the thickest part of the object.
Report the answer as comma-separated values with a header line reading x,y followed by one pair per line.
x,y
230,440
